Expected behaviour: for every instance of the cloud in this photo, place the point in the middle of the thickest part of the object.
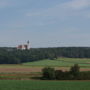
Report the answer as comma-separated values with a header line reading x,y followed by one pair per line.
x,y
77,4
56,14
75,8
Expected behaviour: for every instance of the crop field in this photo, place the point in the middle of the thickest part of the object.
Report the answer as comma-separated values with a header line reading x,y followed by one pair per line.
x,y
43,85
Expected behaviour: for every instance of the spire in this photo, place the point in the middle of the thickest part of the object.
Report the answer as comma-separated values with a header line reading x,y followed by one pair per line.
x,y
28,42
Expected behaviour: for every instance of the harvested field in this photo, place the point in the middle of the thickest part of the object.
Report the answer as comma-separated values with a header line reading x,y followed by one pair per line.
x,y
32,69
22,70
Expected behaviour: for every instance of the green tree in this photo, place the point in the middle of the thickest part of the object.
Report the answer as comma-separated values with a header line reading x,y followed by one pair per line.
x,y
75,71
48,73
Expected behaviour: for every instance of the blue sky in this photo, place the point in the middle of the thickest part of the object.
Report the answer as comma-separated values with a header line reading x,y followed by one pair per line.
x,y
45,23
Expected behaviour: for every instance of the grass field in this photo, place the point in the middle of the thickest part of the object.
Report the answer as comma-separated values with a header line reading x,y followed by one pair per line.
x,y
61,62
43,85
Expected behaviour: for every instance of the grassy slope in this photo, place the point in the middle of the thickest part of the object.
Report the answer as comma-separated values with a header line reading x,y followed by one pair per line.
x,y
61,62
43,85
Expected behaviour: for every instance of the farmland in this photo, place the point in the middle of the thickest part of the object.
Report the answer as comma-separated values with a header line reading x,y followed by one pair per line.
x,y
36,66
33,69
24,76
43,85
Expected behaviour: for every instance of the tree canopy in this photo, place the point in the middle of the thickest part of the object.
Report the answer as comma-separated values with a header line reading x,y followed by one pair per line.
x,y
14,56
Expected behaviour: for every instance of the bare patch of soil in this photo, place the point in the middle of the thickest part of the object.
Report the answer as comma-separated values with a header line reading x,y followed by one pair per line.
x,y
33,69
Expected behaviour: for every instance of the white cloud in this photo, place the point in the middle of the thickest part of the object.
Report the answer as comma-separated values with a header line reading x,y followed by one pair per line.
x,y
77,4
75,8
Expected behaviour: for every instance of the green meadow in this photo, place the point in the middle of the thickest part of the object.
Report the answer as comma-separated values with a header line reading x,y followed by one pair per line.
x,y
61,62
43,85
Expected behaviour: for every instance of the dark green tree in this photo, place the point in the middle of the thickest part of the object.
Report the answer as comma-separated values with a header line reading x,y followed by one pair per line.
x,y
48,73
75,71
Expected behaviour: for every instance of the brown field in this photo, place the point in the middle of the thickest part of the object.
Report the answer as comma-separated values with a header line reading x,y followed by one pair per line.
x,y
27,70
32,69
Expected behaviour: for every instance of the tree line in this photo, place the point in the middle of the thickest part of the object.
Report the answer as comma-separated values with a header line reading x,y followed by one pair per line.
x,y
14,56
49,73
74,73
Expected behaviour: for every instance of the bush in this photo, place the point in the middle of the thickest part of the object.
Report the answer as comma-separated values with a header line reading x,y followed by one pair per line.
x,y
75,71
48,73
59,74
84,75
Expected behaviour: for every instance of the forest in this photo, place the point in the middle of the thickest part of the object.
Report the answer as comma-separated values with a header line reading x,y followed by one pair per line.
x,y
14,56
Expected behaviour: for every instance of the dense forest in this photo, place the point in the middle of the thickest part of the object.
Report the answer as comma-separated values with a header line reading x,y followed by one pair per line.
x,y
14,56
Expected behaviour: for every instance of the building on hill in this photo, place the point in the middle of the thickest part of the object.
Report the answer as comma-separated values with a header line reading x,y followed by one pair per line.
x,y
24,46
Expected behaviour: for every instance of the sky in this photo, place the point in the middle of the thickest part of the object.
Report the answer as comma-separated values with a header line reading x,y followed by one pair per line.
x,y
45,23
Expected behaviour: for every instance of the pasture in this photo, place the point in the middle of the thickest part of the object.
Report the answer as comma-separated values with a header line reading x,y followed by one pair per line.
x,y
43,85
61,62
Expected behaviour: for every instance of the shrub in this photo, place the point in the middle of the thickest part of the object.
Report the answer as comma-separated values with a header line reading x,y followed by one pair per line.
x,y
48,73
75,71
59,74
84,75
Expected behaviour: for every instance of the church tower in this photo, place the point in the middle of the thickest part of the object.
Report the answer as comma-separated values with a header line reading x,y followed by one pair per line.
x,y
28,44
